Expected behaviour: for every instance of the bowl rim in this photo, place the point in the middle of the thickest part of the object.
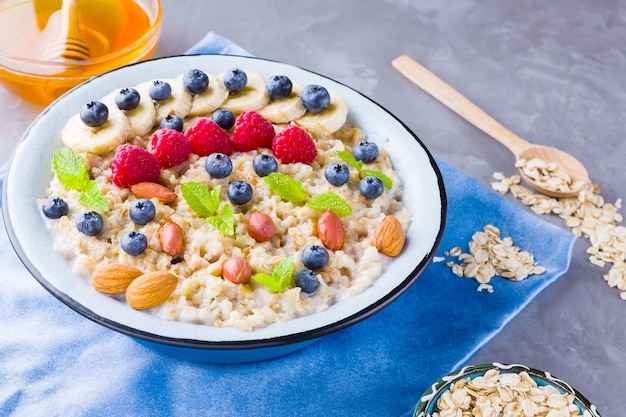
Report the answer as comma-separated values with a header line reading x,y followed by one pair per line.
x,y
432,394
290,338
154,29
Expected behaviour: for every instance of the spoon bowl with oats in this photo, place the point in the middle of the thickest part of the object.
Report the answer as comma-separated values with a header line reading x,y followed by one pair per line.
x,y
546,169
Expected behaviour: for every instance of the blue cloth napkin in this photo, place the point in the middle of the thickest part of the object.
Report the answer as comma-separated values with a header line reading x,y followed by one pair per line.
x,y
55,362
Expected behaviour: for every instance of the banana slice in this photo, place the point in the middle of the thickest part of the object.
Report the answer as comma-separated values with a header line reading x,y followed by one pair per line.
x,y
285,110
209,100
98,140
325,123
178,103
253,97
143,117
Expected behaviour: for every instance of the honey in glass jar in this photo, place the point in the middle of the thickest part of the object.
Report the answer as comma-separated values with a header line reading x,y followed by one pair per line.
x,y
117,32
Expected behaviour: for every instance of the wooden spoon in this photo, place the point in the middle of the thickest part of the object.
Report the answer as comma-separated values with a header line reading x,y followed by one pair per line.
x,y
522,149
69,44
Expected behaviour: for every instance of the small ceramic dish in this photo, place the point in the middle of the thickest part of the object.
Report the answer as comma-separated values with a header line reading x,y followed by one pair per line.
x,y
28,177
429,403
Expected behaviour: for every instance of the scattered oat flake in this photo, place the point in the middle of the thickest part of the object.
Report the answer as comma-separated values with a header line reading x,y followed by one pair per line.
x,y
587,215
491,255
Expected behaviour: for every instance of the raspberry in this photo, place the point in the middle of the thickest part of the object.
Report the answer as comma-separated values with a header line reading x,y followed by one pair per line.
x,y
252,131
132,164
170,147
207,137
294,144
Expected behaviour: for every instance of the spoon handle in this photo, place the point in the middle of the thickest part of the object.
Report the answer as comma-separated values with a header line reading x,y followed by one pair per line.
x,y
456,102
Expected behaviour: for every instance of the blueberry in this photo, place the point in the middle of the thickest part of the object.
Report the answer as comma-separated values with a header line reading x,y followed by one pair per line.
x,y
315,98
89,223
314,256
306,280
218,165
235,80
160,90
55,207
239,192
94,113
371,187
366,152
224,118
278,86
172,121
127,99
134,243
196,81
264,164
337,174
142,211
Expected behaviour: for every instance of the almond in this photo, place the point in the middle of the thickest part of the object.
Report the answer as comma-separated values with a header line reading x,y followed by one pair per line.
x,y
153,190
260,226
150,290
171,238
237,270
389,236
114,278
330,230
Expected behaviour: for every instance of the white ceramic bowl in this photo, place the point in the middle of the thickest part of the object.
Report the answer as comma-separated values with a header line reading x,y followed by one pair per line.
x,y
29,175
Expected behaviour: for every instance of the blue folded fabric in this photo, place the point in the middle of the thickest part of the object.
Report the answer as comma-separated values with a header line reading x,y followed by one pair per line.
x,y
55,362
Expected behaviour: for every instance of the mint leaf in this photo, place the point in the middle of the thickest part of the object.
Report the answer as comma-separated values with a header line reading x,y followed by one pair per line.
x,y
266,280
280,278
385,179
332,201
92,197
348,158
70,169
286,187
199,198
214,200
224,221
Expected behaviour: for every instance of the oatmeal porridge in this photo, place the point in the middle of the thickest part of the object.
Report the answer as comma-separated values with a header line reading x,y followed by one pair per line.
x,y
280,211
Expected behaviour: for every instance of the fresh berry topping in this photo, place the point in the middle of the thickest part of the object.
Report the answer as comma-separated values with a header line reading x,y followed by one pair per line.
x,y
94,113
315,256
132,164
315,98
89,223
172,121
306,280
278,86
264,164
294,144
206,137
170,147
218,165
224,118
142,211
337,174
371,187
134,243
196,81
235,80
239,192
127,99
55,207
366,152
252,131
160,90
